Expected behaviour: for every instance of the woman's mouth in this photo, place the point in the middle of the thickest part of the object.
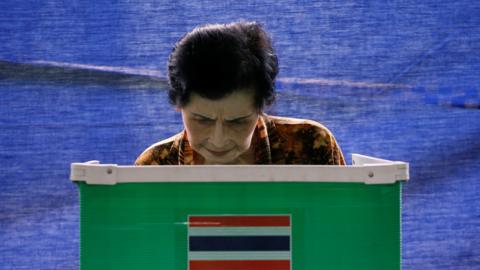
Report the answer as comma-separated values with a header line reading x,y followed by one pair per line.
x,y
218,153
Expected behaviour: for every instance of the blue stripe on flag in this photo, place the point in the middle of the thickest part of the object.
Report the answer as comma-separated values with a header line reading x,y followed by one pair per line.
x,y
239,243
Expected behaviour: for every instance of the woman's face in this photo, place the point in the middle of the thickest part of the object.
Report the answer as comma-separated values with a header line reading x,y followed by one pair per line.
x,y
221,130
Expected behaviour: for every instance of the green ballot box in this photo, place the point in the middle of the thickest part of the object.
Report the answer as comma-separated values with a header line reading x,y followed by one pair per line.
x,y
241,217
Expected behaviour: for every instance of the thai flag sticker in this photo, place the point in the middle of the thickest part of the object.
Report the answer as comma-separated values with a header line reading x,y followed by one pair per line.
x,y
239,242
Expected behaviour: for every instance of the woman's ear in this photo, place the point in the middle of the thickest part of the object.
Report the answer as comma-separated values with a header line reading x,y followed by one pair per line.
x,y
178,109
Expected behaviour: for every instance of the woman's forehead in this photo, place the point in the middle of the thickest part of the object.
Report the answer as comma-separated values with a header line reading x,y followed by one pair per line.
x,y
238,103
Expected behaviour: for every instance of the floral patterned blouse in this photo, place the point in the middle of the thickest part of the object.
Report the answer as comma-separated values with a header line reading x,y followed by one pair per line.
x,y
278,140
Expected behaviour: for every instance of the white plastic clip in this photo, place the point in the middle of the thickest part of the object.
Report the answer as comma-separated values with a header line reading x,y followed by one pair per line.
x,y
93,172
386,171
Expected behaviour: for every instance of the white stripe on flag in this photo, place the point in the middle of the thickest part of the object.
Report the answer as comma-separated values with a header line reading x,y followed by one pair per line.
x,y
239,231
239,255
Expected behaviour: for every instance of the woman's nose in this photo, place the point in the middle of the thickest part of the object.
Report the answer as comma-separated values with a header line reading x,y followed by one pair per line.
x,y
218,137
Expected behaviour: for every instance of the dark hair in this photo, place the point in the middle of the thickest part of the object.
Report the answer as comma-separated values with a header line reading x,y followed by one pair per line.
x,y
215,60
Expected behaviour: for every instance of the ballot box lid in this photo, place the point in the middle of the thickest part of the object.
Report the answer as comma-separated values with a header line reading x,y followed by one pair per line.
x,y
365,169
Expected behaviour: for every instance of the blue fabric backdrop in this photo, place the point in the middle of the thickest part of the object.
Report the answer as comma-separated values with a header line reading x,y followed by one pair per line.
x,y
82,80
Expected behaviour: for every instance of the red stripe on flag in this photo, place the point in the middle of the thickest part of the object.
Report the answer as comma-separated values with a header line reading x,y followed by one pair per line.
x,y
240,265
238,221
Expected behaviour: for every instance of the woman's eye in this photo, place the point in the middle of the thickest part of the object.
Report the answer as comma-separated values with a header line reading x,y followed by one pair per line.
x,y
237,122
204,121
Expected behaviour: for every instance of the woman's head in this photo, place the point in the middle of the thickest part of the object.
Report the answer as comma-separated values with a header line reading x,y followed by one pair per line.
x,y
221,131
213,61
221,77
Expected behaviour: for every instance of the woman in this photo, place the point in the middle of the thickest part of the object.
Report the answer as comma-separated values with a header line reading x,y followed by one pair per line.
x,y
221,78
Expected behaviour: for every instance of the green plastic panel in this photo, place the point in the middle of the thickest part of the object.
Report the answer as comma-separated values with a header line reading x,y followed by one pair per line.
x,y
334,225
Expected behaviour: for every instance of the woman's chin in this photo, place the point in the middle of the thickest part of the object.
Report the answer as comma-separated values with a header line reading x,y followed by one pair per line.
x,y
221,161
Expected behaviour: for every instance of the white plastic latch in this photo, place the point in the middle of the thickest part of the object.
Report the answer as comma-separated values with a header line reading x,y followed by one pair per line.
x,y
381,171
386,173
93,172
